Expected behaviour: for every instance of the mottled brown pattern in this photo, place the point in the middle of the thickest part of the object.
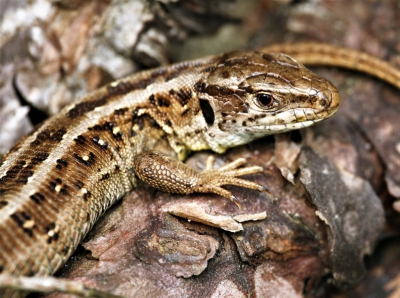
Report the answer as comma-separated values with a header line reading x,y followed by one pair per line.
x,y
163,101
78,163
184,95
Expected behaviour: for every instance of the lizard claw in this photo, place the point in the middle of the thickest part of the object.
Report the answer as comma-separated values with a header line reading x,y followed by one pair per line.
x,y
266,190
211,180
236,201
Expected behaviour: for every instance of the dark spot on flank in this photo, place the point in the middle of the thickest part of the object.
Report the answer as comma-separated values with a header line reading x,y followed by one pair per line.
x,y
38,158
61,164
106,126
135,114
105,177
96,128
139,122
52,185
109,125
37,198
80,140
184,95
13,172
79,184
20,218
17,219
87,161
86,106
20,172
152,99
3,203
55,236
118,135
100,143
58,180
50,227
87,196
64,190
163,101
24,175
1,268
51,233
120,112
58,135
244,123
172,91
41,137
23,180
167,122
197,131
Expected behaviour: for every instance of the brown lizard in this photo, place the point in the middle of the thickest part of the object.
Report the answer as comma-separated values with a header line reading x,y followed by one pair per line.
x,y
57,181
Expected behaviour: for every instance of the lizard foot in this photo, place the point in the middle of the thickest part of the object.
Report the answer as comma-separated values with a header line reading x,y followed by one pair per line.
x,y
211,180
168,174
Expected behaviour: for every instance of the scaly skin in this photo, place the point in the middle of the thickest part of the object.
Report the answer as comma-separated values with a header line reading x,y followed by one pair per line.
x,y
56,182
312,53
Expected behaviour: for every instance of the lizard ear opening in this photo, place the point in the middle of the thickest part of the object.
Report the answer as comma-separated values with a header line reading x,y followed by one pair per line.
x,y
208,112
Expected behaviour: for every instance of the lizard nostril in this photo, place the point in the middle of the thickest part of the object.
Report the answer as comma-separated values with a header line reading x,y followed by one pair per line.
x,y
323,100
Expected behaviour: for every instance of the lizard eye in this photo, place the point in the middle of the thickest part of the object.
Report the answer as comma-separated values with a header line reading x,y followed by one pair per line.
x,y
264,99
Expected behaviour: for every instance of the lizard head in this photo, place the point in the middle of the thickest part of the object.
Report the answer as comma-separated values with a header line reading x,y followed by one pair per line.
x,y
247,95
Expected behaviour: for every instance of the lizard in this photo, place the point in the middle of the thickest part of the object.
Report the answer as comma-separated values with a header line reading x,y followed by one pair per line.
x,y
57,181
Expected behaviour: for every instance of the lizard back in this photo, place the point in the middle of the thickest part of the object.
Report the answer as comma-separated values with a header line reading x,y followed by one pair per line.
x,y
57,181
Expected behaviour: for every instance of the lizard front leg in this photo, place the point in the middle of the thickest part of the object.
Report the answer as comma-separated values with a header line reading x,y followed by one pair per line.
x,y
168,174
